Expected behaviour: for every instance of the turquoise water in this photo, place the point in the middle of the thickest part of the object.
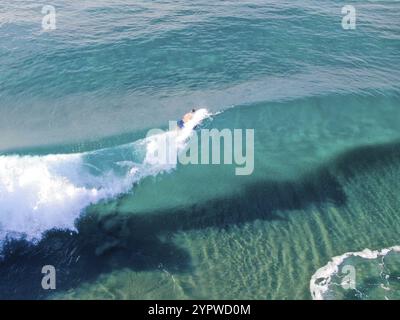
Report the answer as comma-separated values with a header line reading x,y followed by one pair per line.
x,y
77,192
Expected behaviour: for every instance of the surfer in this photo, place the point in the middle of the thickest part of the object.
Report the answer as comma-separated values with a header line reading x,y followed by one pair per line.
x,y
186,118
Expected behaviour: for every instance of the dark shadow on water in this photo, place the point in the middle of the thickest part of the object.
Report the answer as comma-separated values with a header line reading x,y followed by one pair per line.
x,y
142,241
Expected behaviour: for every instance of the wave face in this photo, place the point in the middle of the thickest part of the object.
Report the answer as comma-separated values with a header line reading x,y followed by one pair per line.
x,y
75,104
39,193
327,283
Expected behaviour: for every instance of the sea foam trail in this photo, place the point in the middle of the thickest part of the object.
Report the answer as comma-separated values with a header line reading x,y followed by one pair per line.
x,y
39,193
320,280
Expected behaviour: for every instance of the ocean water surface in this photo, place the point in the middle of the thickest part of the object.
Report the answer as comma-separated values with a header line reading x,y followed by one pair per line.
x,y
79,188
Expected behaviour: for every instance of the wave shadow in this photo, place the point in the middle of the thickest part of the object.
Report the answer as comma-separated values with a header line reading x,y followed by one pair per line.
x,y
144,240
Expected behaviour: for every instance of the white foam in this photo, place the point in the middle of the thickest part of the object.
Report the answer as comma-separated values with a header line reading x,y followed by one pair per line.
x,y
163,148
39,193
320,280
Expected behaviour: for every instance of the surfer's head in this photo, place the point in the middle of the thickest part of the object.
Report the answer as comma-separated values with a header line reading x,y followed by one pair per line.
x,y
193,110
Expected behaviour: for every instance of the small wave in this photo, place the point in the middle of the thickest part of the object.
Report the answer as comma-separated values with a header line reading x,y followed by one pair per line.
x,y
322,279
39,193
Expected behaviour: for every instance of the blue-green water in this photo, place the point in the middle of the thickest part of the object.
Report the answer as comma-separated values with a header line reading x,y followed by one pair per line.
x,y
76,190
